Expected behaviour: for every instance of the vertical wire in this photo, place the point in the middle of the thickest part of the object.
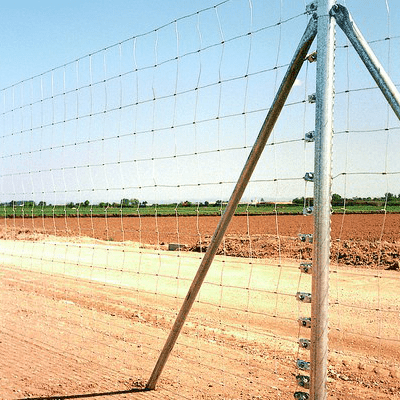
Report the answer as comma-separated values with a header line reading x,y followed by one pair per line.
x,y
32,136
119,118
14,156
222,46
221,33
153,145
24,190
107,185
276,191
77,139
3,189
135,158
91,126
91,262
103,146
196,150
21,135
134,132
64,155
13,168
244,113
196,133
345,183
176,156
77,189
387,132
64,117
155,181
245,105
177,57
122,269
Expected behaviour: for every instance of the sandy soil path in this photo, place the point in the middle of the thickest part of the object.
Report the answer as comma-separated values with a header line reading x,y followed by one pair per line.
x,y
87,318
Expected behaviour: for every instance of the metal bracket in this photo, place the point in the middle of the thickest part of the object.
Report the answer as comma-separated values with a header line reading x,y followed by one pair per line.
x,y
309,137
301,396
309,177
312,57
308,210
312,98
303,365
303,297
303,381
306,268
305,322
306,237
305,344
311,7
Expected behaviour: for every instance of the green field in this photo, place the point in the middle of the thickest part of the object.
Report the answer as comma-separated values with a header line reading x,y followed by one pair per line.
x,y
177,209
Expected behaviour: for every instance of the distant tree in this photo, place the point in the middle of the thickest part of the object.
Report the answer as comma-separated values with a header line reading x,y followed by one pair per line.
x,y
134,202
218,203
298,200
206,203
143,204
125,202
389,196
337,199
42,204
86,203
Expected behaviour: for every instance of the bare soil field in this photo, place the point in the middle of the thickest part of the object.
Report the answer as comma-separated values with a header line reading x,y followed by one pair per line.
x,y
363,240
80,336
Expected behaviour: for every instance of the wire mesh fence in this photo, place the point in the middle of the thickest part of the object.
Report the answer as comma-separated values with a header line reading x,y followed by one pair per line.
x,y
115,170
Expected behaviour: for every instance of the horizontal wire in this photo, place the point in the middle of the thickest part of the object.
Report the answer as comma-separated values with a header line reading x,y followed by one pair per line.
x,y
279,23
151,100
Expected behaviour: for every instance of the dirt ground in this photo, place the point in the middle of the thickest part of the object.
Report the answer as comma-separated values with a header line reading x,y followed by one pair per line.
x,y
72,337
363,240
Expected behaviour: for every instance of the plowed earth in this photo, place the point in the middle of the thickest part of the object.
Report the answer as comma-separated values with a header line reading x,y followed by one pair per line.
x,y
362,240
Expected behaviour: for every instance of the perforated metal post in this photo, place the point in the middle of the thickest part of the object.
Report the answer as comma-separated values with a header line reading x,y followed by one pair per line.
x,y
322,199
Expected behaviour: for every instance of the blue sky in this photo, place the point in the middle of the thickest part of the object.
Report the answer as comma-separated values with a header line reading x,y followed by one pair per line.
x,y
43,34
152,150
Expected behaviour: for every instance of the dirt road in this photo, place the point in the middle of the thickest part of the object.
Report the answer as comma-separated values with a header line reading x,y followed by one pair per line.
x,y
87,319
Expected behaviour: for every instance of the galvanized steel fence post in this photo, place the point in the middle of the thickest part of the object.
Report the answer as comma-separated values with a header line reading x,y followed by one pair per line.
x,y
322,199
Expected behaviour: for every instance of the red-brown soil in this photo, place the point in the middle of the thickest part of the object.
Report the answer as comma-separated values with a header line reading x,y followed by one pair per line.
x,y
363,240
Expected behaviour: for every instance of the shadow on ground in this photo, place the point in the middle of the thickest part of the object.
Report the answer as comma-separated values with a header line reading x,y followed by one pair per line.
x,y
88,395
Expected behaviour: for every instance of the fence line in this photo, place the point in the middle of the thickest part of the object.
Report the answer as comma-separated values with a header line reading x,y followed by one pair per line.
x,y
115,170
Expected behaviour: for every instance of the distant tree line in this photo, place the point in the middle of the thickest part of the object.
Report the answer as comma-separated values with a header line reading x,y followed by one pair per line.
x,y
338,200
132,203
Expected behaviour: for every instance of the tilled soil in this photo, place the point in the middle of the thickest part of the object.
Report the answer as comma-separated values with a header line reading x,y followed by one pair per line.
x,y
362,240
